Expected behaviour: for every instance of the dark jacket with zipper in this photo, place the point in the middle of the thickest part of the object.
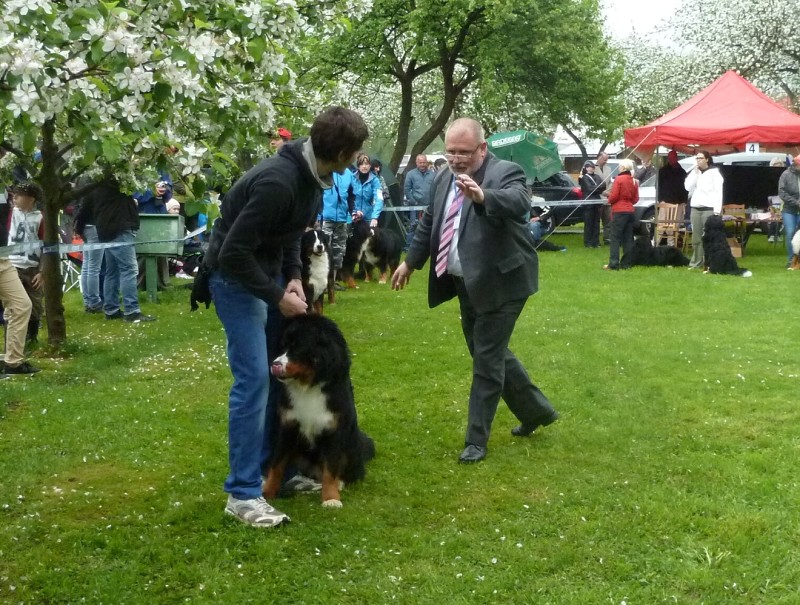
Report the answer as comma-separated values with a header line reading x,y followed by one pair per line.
x,y
263,216
110,210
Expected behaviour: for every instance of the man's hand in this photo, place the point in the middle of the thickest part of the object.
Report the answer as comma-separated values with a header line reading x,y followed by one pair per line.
x,y
373,223
470,188
38,281
401,276
292,305
296,286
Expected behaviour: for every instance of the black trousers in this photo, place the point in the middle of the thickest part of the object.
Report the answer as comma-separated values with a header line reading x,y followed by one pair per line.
x,y
496,371
621,233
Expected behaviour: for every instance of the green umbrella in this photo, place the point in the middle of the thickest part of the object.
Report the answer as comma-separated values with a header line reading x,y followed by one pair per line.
x,y
537,155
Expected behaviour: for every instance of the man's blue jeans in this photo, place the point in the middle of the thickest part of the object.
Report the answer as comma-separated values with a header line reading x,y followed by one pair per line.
x,y
120,277
790,223
90,270
245,319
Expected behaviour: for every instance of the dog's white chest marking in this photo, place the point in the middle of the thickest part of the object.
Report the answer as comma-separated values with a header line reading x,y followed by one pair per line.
x,y
319,264
318,275
367,253
309,410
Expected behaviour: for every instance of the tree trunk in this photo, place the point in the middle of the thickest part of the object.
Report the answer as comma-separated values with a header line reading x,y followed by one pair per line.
x,y
53,191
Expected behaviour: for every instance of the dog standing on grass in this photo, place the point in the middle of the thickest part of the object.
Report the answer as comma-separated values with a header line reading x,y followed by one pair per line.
x,y
314,246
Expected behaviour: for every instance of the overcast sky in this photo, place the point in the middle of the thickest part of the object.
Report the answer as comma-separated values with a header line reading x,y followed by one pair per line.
x,y
622,17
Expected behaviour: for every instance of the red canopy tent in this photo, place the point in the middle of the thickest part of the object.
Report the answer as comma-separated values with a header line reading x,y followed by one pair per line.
x,y
721,118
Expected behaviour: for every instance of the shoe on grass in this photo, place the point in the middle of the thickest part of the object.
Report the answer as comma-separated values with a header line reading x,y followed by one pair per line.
x,y
299,484
115,315
256,512
138,317
23,368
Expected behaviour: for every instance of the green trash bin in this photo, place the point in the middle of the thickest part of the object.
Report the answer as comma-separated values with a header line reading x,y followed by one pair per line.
x,y
158,235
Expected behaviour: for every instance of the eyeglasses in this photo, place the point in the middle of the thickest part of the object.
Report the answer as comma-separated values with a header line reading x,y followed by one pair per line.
x,y
454,157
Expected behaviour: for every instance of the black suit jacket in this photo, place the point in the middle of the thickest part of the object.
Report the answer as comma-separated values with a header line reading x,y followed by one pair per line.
x,y
495,246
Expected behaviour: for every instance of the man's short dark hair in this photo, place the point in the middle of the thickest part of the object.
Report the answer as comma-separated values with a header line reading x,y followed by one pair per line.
x,y
338,131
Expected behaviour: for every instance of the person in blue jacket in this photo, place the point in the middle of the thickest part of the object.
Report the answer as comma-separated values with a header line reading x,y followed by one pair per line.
x,y
154,201
368,192
337,208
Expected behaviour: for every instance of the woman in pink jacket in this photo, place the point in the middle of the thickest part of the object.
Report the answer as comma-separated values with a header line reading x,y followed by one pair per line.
x,y
624,194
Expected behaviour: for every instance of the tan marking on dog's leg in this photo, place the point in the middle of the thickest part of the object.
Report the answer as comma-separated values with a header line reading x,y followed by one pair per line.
x,y
272,484
383,278
330,490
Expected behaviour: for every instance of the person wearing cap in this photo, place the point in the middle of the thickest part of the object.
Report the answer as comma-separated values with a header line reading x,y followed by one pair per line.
x,y
279,138
789,192
592,185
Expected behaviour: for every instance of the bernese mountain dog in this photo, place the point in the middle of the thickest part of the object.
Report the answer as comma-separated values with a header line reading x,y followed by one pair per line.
x,y
319,433
646,255
371,247
314,246
717,254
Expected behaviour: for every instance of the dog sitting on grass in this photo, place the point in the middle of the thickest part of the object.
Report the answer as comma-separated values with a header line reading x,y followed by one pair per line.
x,y
718,257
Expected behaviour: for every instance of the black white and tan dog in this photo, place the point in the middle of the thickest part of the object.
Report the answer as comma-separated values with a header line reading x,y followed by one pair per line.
x,y
372,247
319,433
314,246
717,254
646,255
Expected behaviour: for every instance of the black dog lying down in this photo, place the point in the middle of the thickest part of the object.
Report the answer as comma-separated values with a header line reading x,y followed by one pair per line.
x,y
646,255
716,250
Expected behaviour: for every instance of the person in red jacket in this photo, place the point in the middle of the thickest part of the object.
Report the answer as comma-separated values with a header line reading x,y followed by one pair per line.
x,y
624,194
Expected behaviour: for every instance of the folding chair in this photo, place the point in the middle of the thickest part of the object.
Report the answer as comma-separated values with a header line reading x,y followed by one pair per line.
x,y
71,263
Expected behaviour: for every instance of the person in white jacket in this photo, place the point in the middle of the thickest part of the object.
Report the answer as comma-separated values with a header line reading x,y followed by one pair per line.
x,y
704,184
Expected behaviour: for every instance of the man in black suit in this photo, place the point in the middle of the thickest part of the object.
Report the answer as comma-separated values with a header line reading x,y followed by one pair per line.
x,y
481,207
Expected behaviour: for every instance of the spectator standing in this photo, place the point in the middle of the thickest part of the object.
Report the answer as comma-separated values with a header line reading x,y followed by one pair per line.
x,y
645,171
368,192
16,304
92,265
417,190
671,181
603,170
277,139
27,227
624,194
254,247
789,192
117,221
475,231
704,185
337,208
592,187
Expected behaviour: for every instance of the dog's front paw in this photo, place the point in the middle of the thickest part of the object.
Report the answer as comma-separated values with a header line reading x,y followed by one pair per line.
x,y
332,504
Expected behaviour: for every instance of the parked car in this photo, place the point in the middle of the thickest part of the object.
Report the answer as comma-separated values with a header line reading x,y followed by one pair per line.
x,y
561,193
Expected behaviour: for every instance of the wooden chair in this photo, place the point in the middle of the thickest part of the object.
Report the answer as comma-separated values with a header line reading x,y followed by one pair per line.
x,y
736,222
669,224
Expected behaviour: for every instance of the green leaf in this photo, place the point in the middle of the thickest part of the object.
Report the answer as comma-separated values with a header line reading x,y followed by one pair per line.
x,y
112,150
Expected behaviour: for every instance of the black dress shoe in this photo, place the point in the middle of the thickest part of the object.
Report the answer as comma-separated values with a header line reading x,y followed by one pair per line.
x,y
523,430
472,453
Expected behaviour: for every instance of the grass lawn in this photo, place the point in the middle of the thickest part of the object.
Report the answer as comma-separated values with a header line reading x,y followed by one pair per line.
x,y
670,478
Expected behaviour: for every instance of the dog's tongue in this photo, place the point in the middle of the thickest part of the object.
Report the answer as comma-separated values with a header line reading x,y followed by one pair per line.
x,y
277,370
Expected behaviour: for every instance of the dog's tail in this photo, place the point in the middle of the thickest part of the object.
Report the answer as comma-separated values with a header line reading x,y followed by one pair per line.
x,y
367,446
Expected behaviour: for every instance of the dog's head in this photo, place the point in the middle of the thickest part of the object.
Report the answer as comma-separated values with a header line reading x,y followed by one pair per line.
x,y
314,352
714,224
314,242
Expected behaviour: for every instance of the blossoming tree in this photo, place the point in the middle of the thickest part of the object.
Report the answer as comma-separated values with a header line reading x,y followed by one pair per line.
x,y
109,86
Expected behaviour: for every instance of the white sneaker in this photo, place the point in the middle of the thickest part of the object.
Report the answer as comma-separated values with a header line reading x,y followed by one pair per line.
x,y
299,484
256,512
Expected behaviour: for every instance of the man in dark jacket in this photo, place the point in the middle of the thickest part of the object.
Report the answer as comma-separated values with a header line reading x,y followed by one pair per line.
x,y
475,233
255,250
117,221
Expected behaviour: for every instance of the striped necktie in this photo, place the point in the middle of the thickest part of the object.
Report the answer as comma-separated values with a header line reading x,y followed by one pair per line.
x,y
448,231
